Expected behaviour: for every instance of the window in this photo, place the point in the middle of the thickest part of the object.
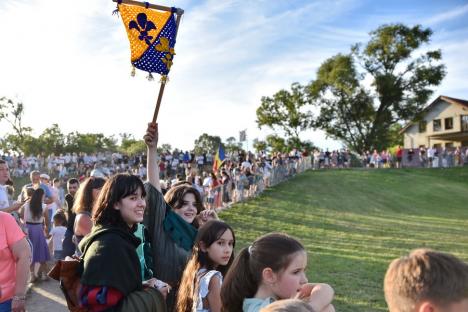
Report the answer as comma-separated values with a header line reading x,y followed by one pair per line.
x,y
436,125
448,123
422,126
449,145
464,123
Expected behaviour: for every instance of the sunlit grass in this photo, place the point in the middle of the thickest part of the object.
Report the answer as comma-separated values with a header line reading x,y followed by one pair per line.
x,y
353,222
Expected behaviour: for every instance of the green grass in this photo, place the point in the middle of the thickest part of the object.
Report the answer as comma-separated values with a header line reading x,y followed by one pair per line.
x,y
353,222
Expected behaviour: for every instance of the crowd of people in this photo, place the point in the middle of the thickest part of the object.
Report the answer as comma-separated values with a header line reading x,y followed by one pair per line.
x,y
431,157
171,251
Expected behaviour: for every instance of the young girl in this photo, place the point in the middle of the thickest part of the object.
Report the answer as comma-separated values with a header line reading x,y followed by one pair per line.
x,y
35,216
212,256
85,198
272,268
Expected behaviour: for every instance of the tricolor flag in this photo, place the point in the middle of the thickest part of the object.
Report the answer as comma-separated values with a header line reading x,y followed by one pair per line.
x,y
219,157
152,36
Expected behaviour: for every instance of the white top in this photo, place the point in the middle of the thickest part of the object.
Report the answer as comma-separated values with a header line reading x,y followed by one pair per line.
x,y
58,233
204,278
3,197
28,216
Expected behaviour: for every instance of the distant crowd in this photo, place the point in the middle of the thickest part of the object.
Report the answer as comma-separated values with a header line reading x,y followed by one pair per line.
x,y
169,247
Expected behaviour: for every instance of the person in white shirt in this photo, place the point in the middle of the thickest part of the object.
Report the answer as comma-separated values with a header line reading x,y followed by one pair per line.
x,y
5,205
57,235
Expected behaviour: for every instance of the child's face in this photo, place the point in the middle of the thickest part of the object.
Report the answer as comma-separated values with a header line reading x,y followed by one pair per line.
x,y
188,211
221,250
289,281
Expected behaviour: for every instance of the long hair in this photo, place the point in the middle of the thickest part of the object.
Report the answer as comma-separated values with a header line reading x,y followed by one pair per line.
x,y
208,234
119,186
84,196
273,250
175,196
35,204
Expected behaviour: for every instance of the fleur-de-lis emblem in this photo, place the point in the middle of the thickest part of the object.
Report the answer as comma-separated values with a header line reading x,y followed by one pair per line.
x,y
143,26
163,46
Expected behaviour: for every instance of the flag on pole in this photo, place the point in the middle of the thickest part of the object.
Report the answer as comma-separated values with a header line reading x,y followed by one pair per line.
x,y
219,157
243,135
152,37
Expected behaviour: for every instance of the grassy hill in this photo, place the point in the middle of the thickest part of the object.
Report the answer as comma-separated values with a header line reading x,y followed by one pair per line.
x,y
353,222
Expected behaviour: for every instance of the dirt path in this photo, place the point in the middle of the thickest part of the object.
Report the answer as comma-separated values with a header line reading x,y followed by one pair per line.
x,y
45,296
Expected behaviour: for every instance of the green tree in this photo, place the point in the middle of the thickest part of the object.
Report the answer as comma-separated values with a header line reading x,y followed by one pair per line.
x,y
231,145
276,143
164,148
12,112
361,115
285,110
207,143
259,145
53,140
89,142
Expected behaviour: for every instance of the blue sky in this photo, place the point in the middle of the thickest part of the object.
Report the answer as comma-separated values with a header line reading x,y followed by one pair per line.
x,y
69,62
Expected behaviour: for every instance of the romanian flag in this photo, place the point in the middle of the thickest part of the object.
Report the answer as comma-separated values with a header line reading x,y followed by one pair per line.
x,y
219,157
152,36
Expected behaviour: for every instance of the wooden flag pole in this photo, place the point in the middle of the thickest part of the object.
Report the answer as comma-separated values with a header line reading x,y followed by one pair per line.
x,y
179,13
149,5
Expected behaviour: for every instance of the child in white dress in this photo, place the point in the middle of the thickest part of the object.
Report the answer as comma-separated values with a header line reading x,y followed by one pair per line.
x,y
212,256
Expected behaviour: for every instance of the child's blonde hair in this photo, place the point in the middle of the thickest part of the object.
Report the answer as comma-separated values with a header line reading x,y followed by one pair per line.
x,y
425,275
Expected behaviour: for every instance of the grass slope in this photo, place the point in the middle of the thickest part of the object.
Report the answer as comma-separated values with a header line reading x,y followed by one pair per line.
x,y
353,222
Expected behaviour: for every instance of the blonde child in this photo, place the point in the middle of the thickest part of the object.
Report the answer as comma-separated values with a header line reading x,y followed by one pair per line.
x,y
212,256
272,268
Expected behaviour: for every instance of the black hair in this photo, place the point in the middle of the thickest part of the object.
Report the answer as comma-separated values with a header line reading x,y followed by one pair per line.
x,y
117,187
35,204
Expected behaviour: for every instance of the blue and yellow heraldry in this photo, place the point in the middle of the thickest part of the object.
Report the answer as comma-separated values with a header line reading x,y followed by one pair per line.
x,y
152,36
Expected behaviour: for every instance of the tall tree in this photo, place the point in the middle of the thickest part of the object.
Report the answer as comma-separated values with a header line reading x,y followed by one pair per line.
x,y
207,143
285,110
21,140
361,115
53,140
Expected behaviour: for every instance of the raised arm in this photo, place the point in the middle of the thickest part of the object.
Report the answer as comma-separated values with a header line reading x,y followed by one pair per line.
x,y
151,140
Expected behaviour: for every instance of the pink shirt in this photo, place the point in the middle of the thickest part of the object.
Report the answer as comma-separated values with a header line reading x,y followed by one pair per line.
x,y
10,233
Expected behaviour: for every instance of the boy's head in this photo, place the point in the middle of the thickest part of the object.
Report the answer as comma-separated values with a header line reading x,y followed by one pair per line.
x,y
427,281
59,219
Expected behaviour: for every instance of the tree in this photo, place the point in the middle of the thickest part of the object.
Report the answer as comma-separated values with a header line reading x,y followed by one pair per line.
x,y
259,145
276,143
12,112
232,145
164,148
53,140
207,143
285,110
89,142
361,115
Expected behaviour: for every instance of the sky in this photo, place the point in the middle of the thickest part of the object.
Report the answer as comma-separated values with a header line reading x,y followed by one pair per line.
x,y
69,62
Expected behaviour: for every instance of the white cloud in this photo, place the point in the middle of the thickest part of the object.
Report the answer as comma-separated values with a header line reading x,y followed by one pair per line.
x,y
448,15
